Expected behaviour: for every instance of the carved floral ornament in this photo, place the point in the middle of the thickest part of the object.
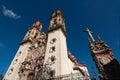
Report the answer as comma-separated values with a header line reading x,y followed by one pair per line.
x,y
99,47
33,61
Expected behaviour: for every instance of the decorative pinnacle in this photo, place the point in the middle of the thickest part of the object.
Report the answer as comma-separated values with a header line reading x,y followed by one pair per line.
x,y
57,21
99,38
37,24
90,34
89,40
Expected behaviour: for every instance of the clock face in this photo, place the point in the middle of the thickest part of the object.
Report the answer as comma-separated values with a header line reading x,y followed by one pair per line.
x,y
104,60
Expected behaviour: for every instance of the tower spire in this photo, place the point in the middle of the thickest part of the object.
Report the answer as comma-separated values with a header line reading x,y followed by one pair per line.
x,y
90,43
37,24
90,34
99,38
57,21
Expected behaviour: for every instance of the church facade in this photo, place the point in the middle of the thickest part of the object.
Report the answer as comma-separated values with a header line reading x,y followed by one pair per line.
x,y
45,56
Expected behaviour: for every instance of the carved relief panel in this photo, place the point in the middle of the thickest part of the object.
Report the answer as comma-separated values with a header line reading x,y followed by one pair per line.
x,y
35,56
99,47
104,60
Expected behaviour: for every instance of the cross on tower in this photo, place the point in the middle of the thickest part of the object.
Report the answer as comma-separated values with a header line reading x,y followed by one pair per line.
x,y
90,34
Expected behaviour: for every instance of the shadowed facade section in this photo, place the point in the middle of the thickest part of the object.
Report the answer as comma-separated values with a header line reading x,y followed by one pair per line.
x,y
106,63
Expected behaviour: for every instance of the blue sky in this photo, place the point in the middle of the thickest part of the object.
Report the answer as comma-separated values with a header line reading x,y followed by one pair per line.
x,y
100,16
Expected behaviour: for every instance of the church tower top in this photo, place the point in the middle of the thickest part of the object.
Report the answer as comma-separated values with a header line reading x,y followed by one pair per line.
x,y
37,24
90,34
107,64
57,21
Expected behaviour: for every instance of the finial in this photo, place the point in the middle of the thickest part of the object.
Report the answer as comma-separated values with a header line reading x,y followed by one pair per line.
x,y
56,12
57,21
99,39
89,41
37,24
90,34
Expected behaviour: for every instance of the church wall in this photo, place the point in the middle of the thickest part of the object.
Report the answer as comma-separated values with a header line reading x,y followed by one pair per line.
x,y
15,65
62,63
49,52
66,64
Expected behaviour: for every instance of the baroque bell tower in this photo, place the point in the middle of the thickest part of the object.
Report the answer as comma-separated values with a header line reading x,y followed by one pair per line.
x,y
108,66
29,57
56,49
58,62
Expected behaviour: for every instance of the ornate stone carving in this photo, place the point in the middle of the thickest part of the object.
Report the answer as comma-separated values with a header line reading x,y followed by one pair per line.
x,y
104,60
99,47
35,56
38,25
57,21
44,73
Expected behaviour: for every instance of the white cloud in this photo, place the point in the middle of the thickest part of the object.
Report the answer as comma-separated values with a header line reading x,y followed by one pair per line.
x,y
10,13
